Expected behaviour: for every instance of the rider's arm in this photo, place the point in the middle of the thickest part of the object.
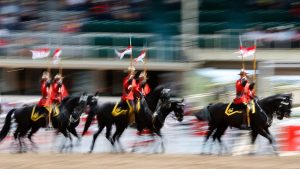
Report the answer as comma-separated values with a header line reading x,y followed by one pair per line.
x,y
244,82
251,86
48,83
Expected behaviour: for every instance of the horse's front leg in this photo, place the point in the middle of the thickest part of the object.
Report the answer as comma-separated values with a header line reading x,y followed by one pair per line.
x,y
253,138
266,133
73,131
161,141
274,143
207,135
66,137
136,140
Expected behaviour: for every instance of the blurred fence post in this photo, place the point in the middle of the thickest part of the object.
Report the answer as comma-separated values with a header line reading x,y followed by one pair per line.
x,y
189,19
264,86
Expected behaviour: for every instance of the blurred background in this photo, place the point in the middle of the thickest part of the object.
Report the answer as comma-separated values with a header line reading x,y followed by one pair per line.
x,y
191,45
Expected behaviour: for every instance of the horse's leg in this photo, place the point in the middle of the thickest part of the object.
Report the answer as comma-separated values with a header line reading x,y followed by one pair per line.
x,y
161,141
73,131
253,138
274,145
18,139
121,130
71,142
217,136
21,137
114,138
135,141
108,133
208,134
95,137
66,135
33,144
265,134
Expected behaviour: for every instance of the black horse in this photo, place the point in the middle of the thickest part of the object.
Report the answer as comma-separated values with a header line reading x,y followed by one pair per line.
x,y
27,119
154,120
279,105
106,119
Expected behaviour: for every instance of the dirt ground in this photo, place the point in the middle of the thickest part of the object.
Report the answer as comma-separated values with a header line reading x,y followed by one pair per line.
x,y
143,161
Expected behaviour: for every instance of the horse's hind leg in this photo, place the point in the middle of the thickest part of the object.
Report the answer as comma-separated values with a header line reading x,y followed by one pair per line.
x,y
95,137
217,136
108,133
17,137
120,132
33,144
208,134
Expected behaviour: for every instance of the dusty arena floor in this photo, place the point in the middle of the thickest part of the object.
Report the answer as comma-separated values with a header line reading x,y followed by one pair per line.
x,y
142,161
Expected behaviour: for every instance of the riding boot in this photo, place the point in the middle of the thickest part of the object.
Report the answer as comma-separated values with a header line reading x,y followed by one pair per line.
x,y
48,120
246,124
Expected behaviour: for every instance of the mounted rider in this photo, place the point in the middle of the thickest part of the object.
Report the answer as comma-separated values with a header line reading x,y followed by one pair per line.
x,y
127,99
244,95
59,90
142,85
141,88
45,101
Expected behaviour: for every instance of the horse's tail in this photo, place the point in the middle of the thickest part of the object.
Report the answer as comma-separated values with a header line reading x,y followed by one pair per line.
x,y
7,124
88,122
203,114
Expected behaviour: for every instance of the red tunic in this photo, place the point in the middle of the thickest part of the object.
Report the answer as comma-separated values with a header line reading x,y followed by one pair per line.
x,y
58,93
241,92
45,91
128,93
144,90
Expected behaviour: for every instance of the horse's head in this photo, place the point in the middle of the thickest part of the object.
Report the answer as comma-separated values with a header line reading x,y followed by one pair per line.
x,y
82,102
165,95
285,106
280,104
178,108
92,100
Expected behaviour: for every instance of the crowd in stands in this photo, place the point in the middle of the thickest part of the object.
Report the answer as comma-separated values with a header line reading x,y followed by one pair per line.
x,y
28,15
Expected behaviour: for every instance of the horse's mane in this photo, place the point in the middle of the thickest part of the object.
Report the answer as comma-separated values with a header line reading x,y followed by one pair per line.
x,y
276,97
153,96
67,100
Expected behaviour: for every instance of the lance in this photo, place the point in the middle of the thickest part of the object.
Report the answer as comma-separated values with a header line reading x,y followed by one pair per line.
x,y
254,62
145,61
241,45
131,52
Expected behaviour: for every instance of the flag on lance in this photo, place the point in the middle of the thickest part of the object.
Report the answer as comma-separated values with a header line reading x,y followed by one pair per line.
x,y
124,52
56,56
245,52
141,57
40,53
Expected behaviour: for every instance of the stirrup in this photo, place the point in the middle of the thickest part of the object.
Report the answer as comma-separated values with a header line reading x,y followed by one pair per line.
x,y
245,127
49,128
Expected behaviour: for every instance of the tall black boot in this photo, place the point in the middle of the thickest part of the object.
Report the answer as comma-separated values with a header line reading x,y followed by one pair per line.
x,y
244,125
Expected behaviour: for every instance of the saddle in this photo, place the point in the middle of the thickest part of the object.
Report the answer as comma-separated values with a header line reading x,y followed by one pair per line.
x,y
118,110
44,112
238,108
122,110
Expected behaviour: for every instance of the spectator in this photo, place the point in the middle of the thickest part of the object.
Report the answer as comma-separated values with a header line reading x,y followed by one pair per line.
x,y
71,26
9,16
